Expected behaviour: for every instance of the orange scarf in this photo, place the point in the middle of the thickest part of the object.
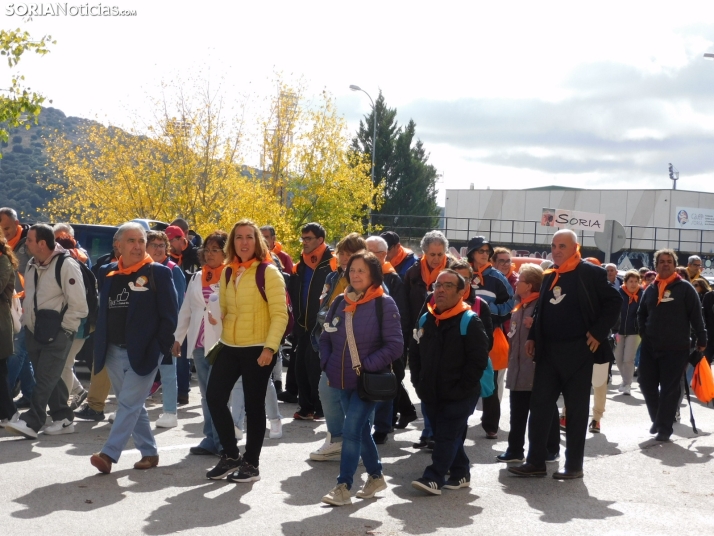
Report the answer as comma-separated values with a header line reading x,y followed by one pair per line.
x,y
662,284
132,269
236,266
400,256
568,266
372,293
387,268
211,276
455,310
313,258
533,296
179,258
479,272
18,235
277,248
427,276
510,270
633,296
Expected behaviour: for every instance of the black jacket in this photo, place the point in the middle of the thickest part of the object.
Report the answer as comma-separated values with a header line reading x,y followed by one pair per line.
x,y
416,292
667,325
484,315
395,286
190,264
101,261
708,313
628,314
446,366
305,319
599,304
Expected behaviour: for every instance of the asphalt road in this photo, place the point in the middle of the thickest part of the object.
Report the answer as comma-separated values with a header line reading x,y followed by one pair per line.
x,y
632,485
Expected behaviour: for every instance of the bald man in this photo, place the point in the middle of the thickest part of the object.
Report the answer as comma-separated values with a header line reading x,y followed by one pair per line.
x,y
574,313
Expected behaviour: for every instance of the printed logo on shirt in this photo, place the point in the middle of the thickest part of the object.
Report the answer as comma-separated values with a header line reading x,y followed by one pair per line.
x,y
121,301
323,295
667,296
475,282
557,296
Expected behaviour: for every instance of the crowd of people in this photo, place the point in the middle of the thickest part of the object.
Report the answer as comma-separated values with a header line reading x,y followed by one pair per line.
x,y
354,321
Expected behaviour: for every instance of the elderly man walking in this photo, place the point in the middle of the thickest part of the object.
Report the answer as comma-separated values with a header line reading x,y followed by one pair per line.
x,y
575,311
670,310
138,312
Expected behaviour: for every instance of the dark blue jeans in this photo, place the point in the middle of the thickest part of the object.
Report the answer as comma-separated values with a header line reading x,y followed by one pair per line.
x,y
449,422
183,370
383,415
19,367
357,437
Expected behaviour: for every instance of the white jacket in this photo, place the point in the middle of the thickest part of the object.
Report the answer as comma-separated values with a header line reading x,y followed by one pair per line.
x,y
50,295
193,310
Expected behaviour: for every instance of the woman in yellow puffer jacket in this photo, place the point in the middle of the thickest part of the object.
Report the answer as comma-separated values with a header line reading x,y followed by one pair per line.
x,y
252,331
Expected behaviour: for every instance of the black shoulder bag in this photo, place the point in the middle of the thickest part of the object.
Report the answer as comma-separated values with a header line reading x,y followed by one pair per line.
x,y
48,322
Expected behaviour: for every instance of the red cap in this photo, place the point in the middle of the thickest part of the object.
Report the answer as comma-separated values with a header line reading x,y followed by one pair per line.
x,y
173,231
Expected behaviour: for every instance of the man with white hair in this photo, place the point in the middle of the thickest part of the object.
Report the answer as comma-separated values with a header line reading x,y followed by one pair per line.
x,y
612,277
138,313
568,335
694,267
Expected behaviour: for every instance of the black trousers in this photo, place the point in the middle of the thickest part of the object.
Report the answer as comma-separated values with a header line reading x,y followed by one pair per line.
x,y
307,374
659,377
290,381
7,406
520,409
230,365
564,367
491,408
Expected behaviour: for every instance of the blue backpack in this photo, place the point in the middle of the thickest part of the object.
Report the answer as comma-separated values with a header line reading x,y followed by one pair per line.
x,y
487,381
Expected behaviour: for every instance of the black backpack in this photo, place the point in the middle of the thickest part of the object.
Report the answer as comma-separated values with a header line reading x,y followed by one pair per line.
x,y
90,289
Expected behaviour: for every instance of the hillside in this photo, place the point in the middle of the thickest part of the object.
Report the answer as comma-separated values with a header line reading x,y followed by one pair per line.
x,y
23,164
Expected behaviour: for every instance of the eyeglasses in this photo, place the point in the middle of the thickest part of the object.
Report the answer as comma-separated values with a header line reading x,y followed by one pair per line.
x,y
482,251
156,245
503,261
213,250
445,286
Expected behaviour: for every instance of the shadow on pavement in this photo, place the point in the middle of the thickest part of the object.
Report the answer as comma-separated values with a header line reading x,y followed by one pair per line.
x,y
334,521
16,449
676,453
560,502
322,476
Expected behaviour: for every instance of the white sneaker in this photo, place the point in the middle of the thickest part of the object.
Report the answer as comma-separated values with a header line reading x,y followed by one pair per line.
x,y
621,388
328,451
14,418
338,496
626,390
239,433
167,420
111,417
65,426
20,428
276,429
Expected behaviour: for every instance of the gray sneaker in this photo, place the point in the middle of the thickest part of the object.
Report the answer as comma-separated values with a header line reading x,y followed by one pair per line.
x,y
373,485
338,496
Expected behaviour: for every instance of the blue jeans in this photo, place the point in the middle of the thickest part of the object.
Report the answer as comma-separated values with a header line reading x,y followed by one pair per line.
x,y
427,432
238,403
131,419
19,367
169,388
332,409
183,370
210,442
357,437
383,415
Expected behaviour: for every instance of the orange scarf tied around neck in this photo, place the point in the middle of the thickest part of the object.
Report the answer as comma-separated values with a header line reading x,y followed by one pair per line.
x,y
387,268
312,259
455,310
633,296
132,269
533,296
429,277
400,256
478,272
178,258
662,284
568,266
18,235
372,293
277,248
211,276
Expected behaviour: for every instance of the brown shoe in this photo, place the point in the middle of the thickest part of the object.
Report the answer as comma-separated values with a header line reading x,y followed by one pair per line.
x,y
147,462
102,462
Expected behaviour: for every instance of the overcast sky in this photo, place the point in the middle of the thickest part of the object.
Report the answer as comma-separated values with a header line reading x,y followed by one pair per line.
x,y
517,95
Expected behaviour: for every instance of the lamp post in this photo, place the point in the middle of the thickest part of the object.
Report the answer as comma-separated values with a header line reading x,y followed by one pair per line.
x,y
374,134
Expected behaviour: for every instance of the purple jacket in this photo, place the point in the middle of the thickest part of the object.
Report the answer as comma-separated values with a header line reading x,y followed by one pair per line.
x,y
374,354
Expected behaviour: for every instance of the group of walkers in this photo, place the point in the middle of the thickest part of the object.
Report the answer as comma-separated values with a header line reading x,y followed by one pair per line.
x,y
356,320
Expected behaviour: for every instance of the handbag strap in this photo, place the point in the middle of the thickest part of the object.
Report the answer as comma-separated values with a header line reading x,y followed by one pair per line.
x,y
356,365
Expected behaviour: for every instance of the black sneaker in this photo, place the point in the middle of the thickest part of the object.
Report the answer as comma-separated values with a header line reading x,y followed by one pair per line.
x,y
22,403
507,457
404,420
423,443
380,438
225,467
246,473
430,444
453,483
429,486
86,413
287,397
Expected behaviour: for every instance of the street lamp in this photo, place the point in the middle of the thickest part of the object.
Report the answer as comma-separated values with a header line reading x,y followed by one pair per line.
x,y
374,129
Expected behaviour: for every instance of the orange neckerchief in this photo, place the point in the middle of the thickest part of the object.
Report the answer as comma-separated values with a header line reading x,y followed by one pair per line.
x,y
18,235
633,297
400,256
135,268
211,276
479,272
455,310
533,296
179,258
387,268
372,293
313,259
277,248
510,270
662,284
236,265
568,266
430,277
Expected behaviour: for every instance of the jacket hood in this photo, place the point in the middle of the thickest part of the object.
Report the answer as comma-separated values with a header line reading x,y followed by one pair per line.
x,y
475,243
59,250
